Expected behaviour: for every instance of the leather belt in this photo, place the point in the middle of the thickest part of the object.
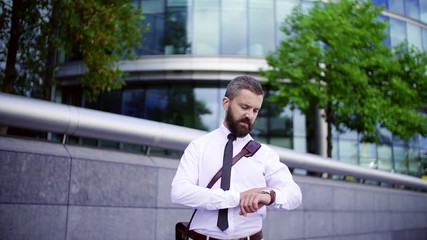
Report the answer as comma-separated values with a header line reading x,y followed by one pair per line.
x,y
198,236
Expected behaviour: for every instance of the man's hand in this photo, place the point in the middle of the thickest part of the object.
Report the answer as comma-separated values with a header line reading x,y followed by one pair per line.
x,y
252,200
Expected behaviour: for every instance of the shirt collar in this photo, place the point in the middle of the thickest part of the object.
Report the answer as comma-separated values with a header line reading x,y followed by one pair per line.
x,y
225,132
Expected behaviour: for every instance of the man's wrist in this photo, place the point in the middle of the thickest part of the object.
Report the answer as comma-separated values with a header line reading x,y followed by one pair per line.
x,y
272,194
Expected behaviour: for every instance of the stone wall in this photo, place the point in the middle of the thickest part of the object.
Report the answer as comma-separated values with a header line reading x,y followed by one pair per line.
x,y
53,191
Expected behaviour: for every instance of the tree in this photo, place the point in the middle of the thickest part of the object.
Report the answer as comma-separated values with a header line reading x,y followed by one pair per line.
x,y
100,32
334,58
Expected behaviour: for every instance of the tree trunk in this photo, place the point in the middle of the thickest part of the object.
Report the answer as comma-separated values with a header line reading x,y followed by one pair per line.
x,y
329,137
12,46
310,128
315,131
49,80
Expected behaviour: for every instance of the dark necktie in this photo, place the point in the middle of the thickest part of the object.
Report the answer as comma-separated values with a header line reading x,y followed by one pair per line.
x,y
225,180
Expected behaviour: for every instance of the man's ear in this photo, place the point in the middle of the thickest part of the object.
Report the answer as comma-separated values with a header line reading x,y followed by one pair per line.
x,y
225,103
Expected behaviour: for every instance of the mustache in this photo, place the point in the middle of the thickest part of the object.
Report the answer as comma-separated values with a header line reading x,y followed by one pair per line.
x,y
245,120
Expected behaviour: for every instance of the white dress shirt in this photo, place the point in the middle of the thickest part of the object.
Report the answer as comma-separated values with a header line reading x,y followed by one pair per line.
x,y
203,158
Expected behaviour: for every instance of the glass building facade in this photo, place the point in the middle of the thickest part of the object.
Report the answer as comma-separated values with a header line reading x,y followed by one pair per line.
x,y
194,47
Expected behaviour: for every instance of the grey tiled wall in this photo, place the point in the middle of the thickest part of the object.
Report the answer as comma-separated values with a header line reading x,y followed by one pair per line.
x,y
49,191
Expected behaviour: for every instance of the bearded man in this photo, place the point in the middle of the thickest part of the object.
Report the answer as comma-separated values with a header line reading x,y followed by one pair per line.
x,y
236,209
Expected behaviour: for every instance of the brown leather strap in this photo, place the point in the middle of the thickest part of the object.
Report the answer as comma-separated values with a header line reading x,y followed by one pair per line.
x,y
248,151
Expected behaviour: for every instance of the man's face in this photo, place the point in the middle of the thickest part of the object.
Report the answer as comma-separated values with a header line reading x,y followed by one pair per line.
x,y
241,112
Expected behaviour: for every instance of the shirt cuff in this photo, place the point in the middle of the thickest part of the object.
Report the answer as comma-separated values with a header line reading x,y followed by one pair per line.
x,y
234,198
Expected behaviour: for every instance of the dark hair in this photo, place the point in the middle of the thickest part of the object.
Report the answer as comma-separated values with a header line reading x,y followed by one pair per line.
x,y
243,82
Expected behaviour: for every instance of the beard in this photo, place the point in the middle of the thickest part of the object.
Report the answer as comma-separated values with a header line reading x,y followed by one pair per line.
x,y
234,124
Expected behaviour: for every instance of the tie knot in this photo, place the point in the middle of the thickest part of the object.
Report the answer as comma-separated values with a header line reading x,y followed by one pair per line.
x,y
231,137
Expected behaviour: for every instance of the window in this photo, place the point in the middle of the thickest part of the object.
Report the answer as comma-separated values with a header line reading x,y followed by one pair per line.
x,y
261,27
208,107
413,162
156,103
423,11
396,6
380,2
400,159
348,151
424,33
175,40
133,102
414,36
234,28
412,9
385,157
368,155
206,27
397,31
154,13
283,10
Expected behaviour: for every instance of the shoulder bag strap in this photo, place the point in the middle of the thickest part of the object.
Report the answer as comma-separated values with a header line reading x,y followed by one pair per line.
x,y
248,151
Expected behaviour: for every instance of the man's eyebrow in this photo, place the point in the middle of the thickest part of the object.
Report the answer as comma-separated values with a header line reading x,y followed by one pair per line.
x,y
250,106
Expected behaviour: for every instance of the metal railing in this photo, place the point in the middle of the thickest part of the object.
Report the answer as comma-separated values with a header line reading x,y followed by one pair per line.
x,y
18,111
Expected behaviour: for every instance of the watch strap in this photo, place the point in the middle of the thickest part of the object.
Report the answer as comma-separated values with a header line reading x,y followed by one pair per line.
x,y
272,194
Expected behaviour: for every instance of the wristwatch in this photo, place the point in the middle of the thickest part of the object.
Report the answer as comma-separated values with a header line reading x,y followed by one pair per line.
x,y
272,194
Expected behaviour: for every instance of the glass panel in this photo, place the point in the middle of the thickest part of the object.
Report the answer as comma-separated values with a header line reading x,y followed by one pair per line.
x,y
368,155
300,144
348,135
380,2
155,104
414,162
132,148
387,30
348,151
412,9
414,141
154,13
335,149
175,40
209,100
109,144
175,105
206,27
424,31
385,157
398,141
261,27
107,102
234,27
400,159
396,6
423,142
414,36
285,142
280,126
423,155
222,88
182,106
397,31
133,102
260,130
306,6
423,11
283,10
299,123
385,136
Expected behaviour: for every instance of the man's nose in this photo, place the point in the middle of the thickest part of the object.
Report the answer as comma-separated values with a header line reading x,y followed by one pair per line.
x,y
249,114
